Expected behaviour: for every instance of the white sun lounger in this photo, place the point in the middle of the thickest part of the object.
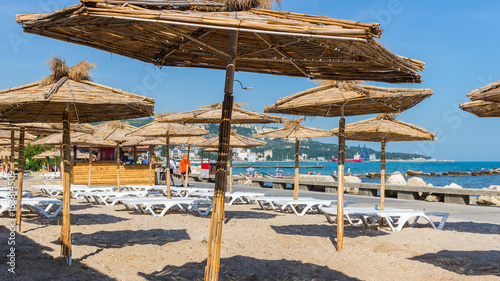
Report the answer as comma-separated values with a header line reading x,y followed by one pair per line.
x,y
268,202
51,175
110,198
395,218
45,206
238,196
302,206
6,194
148,205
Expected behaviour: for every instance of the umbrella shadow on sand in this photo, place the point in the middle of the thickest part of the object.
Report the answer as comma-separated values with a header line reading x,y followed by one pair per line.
x,y
33,263
248,268
238,215
124,238
468,263
77,219
472,227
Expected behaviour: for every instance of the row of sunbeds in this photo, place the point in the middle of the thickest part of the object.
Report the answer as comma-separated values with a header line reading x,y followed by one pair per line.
x,y
152,200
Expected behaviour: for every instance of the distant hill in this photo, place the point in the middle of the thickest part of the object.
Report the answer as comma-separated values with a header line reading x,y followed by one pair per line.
x,y
285,148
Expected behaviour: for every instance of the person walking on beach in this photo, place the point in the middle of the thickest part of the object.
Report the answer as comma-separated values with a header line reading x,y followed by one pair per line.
x,y
185,166
172,167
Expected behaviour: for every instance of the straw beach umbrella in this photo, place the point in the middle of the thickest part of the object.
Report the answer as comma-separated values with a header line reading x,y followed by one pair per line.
x,y
211,114
293,130
168,130
343,98
231,35
384,128
485,101
236,141
68,96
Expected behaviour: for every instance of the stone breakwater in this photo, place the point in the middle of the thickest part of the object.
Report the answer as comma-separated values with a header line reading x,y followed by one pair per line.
x,y
410,173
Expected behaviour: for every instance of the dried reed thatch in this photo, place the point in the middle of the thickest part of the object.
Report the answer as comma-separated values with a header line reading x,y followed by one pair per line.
x,y
485,101
53,153
163,129
385,127
194,34
211,114
79,139
194,140
114,131
43,128
490,92
44,101
7,153
236,141
293,130
142,141
357,99
482,108
6,135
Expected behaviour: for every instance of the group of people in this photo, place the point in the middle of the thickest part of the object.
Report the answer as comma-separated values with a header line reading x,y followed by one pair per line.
x,y
185,170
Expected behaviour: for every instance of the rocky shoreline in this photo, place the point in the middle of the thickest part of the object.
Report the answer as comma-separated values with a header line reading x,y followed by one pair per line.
x,y
410,173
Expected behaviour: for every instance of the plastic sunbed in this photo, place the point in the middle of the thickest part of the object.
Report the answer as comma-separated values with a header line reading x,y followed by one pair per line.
x,y
148,205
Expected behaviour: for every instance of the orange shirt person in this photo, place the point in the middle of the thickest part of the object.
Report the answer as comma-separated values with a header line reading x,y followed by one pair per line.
x,y
185,167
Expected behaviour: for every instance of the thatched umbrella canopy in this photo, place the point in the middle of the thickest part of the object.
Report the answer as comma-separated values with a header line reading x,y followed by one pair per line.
x,y
211,114
482,108
194,140
236,141
168,130
293,130
205,34
7,153
485,101
68,96
342,98
53,153
385,128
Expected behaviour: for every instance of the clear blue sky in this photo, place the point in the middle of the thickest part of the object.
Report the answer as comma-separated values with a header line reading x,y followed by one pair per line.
x,y
457,40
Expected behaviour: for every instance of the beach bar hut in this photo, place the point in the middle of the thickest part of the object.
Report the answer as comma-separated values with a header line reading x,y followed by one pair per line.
x,y
151,142
68,96
236,141
168,130
293,130
344,98
384,128
233,36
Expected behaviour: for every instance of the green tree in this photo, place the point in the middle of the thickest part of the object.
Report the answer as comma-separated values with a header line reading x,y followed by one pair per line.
x,y
29,152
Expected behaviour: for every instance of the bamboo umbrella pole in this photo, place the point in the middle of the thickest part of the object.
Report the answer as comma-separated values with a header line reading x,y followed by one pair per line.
x,y
61,163
135,154
167,177
340,189
12,152
150,165
230,171
213,260
20,179
296,180
382,175
118,166
90,165
65,231
187,167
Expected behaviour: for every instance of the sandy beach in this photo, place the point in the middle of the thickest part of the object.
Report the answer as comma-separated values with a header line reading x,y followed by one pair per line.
x,y
112,243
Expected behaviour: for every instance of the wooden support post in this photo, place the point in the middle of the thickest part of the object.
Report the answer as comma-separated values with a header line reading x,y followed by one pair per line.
x,y
62,163
90,165
382,175
151,151
167,177
65,231
20,178
215,237
12,152
230,171
296,182
340,190
118,166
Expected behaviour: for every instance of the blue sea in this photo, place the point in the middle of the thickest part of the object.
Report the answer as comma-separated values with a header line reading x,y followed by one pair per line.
x,y
366,167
